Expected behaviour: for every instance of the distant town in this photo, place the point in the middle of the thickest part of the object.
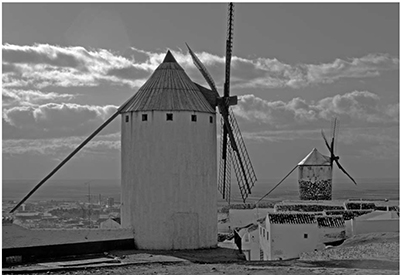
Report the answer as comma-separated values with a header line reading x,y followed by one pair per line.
x,y
65,214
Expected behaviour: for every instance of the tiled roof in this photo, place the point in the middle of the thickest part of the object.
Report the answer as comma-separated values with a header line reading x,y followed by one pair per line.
x,y
291,218
359,205
330,221
170,89
347,214
306,207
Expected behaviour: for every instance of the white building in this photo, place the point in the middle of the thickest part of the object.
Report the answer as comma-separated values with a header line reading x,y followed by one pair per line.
x,y
315,177
250,242
286,235
169,162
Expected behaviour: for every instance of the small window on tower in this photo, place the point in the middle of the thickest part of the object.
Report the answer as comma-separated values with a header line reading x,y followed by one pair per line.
x,y
194,118
305,236
169,116
144,117
211,119
126,118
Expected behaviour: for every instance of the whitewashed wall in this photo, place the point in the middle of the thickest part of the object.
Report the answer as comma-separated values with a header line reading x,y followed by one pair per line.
x,y
287,240
307,172
265,240
251,243
169,178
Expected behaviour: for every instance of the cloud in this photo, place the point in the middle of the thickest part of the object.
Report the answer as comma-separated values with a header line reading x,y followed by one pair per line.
x,y
277,74
354,108
31,97
56,120
43,65
368,128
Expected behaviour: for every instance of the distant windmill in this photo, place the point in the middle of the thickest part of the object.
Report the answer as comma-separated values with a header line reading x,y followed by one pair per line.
x,y
233,149
315,172
169,157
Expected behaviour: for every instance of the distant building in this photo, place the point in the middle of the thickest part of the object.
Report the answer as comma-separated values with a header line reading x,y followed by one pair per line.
x,y
110,202
28,215
286,235
26,207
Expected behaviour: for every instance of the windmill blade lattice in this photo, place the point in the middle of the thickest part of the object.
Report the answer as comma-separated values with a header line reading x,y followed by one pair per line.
x,y
244,170
233,148
225,167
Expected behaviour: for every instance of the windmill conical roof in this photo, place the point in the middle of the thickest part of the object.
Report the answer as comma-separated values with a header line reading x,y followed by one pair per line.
x,y
169,88
315,158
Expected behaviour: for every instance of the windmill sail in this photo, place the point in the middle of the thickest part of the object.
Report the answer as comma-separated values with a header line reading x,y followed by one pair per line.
x,y
333,157
225,166
244,170
233,148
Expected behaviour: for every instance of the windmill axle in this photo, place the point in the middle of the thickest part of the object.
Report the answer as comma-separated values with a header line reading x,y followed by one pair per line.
x,y
227,101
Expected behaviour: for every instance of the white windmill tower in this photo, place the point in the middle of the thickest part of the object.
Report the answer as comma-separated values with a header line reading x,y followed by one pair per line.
x,y
169,162
169,157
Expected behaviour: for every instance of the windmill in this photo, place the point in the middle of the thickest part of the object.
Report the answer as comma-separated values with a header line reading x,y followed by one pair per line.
x,y
233,149
169,158
315,171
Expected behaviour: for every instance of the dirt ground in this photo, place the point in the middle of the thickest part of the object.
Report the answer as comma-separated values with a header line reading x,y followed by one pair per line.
x,y
368,254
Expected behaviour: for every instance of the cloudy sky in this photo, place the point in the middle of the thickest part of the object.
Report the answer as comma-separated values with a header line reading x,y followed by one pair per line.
x,y
67,67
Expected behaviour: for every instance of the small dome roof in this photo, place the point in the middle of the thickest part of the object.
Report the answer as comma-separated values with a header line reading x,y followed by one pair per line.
x,y
169,88
315,158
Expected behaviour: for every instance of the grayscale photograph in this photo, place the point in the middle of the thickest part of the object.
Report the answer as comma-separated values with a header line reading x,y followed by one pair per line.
x,y
200,138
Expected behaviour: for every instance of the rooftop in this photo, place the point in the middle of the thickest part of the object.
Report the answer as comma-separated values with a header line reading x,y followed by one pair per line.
x,y
291,218
330,221
169,88
315,158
